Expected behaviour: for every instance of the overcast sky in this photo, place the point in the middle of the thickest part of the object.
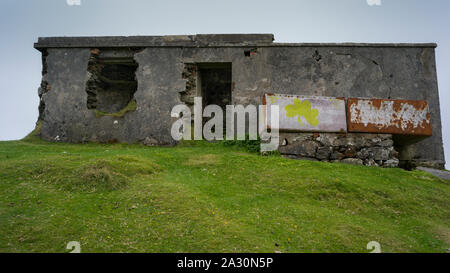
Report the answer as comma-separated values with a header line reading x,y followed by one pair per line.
x,y
22,21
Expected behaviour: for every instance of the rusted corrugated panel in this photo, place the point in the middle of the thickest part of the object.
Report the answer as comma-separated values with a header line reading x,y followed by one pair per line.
x,y
405,117
308,114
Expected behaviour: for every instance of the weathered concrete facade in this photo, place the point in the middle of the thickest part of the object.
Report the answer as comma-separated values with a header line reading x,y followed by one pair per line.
x,y
165,65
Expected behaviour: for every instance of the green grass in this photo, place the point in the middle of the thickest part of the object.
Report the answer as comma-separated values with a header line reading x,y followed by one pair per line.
x,y
203,197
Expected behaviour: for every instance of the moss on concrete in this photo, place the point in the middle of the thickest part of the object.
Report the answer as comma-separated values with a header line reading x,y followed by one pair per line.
x,y
132,106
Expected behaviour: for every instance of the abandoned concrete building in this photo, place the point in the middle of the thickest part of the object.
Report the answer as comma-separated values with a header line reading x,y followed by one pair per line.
x,y
385,96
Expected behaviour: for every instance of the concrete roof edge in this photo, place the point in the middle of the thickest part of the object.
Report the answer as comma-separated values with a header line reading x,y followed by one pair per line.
x,y
159,41
199,40
349,44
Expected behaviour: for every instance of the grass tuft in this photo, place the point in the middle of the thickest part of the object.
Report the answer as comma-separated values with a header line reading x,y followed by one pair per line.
x,y
108,174
99,175
74,174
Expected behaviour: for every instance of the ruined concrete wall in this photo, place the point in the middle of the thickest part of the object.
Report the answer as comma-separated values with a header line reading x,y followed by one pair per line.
x,y
68,119
335,71
64,116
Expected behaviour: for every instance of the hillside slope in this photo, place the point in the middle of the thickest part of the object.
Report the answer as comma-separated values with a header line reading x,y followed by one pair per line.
x,y
210,198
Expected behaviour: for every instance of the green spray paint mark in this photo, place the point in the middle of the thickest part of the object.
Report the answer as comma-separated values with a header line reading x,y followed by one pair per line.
x,y
303,108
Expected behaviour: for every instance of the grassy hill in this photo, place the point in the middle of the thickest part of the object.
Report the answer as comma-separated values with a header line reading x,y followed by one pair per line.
x,y
203,197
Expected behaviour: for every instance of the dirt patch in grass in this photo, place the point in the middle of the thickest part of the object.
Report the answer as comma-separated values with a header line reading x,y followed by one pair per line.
x,y
444,234
202,160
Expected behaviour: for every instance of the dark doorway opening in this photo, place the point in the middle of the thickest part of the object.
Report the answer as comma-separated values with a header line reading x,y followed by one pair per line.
x,y
211,81
215,82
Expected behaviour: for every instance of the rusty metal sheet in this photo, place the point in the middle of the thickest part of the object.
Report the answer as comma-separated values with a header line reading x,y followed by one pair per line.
x,y
307,113
403,117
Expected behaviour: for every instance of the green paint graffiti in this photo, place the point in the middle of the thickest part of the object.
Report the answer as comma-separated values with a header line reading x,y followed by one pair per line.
x,y
303,108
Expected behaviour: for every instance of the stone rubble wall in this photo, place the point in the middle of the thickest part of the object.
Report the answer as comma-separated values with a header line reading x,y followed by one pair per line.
x,y
357,149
